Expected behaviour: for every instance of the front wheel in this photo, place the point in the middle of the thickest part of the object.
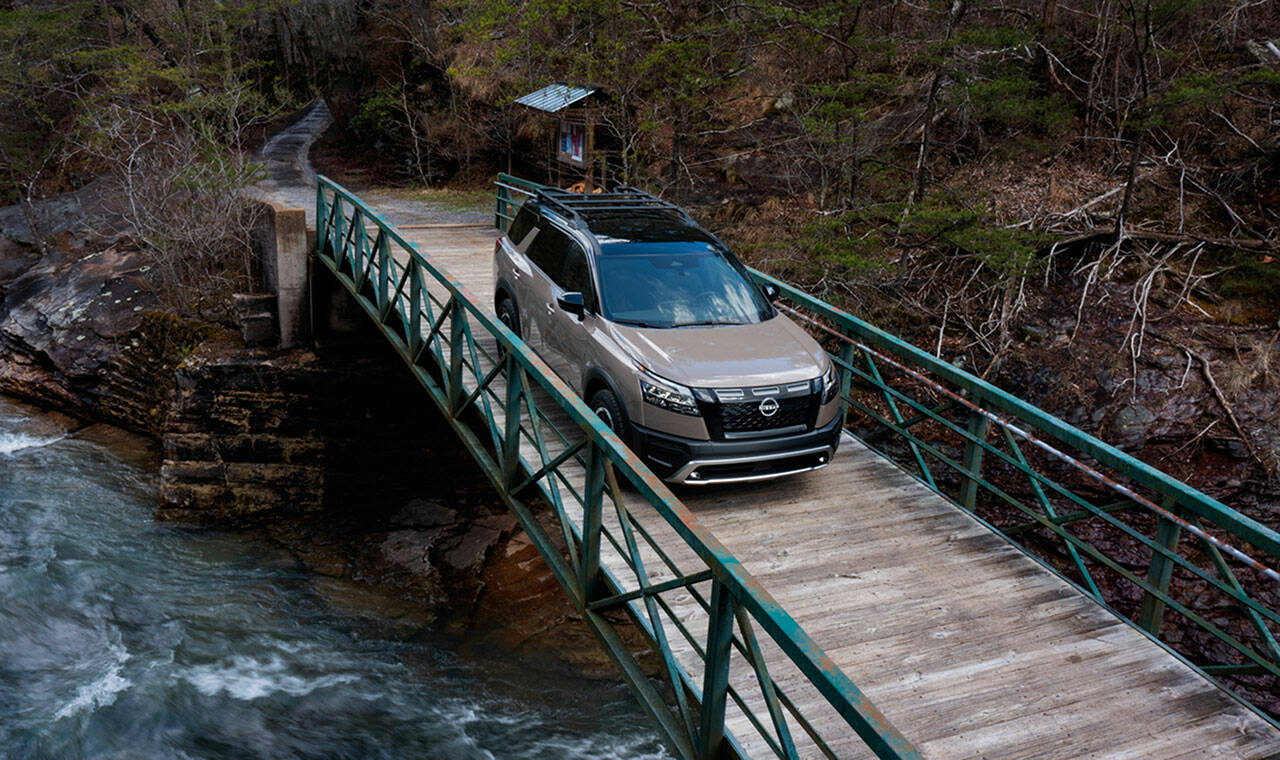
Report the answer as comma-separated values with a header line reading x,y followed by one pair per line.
x,y
609,410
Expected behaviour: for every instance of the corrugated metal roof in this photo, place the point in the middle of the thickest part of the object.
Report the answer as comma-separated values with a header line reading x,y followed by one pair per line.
x,y
555,97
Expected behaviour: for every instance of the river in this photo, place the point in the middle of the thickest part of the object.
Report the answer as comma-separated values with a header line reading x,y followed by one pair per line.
x,y
124,638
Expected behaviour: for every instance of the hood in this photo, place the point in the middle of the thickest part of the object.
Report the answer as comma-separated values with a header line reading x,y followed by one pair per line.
x,y
725,356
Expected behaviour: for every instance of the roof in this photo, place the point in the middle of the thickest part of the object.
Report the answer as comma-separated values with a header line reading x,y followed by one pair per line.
x,y
612,229
555,97
624,216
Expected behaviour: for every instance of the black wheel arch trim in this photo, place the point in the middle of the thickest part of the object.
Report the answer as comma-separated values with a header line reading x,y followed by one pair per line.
x,y
595,374
501,289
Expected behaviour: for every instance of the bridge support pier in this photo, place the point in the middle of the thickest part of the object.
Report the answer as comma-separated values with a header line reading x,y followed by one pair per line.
x,y
284,250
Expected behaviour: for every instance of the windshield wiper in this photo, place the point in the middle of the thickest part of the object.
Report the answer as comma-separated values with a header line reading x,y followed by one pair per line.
x,y
637,323
706,323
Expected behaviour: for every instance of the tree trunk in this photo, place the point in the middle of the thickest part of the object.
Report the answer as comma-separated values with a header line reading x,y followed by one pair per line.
x,y
1047,14
922,159
930,109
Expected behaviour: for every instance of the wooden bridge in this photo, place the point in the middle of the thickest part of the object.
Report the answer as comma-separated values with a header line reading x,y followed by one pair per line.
x,y
869,609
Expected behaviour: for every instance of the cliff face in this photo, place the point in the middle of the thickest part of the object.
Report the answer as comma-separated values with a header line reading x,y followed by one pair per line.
x,y
332,453
72,324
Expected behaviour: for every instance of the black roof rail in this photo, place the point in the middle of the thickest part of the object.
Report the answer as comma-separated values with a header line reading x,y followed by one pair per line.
x,y
621,198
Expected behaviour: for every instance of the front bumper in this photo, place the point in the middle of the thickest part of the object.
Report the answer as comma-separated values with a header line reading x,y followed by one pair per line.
x,y
701,462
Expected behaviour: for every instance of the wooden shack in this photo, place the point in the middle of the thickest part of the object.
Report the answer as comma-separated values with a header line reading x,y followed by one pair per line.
x,y
574,152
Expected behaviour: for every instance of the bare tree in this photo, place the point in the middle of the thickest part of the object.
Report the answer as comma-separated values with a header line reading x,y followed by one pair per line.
x,y
918,188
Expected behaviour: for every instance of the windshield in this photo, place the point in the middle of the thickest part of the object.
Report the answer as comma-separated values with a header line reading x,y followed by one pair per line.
x,y
683,284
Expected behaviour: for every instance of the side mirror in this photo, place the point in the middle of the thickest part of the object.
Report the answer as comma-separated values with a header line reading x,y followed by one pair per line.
x,y
572,302
770,290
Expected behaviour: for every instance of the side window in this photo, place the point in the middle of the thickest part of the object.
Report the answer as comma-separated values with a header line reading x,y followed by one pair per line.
x,y
547,250
576,275
521,226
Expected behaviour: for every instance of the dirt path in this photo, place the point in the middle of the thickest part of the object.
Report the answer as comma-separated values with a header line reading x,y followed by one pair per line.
x,y
291,179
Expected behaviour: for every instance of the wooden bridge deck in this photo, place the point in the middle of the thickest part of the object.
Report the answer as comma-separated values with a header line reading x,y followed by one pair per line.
x,y
970,648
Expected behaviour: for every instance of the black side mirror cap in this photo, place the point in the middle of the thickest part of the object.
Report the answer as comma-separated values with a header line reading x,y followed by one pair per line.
x,y
573,303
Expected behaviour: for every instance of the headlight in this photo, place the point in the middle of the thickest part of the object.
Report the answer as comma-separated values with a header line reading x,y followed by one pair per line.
x,y
669,395
830,384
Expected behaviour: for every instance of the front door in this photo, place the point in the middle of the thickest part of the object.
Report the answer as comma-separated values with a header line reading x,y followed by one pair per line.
x,y
566,332
552,331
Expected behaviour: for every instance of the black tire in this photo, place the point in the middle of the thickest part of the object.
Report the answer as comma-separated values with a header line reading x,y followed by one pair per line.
x,y
508,315
609,410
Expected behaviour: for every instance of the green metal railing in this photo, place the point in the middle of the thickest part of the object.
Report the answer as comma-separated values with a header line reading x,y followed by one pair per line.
x,y
636,550
1138,540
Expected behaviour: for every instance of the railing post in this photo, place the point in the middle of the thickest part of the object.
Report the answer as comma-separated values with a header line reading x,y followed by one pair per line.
x,y
848,352
511,435
592,521
715,679
384,270
1159,574
339,232
322,218
415,309
977,428
457,336
499,211
360,244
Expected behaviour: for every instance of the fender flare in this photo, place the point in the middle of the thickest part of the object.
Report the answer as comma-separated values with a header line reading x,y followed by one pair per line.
x,y
500,288
596,374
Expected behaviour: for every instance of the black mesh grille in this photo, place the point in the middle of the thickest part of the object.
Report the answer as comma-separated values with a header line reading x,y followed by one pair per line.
x,y
746,416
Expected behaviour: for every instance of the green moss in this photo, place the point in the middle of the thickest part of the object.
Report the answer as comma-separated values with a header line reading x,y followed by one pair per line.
x,y
171,338
1250,278
1009,97
858,241
450,199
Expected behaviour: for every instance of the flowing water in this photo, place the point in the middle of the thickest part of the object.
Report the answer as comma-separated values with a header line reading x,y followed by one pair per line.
x,y
123,638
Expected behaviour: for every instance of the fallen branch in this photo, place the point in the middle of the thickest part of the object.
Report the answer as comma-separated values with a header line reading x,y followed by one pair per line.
x,y
1100,233
1189,443
1099,199
1230,411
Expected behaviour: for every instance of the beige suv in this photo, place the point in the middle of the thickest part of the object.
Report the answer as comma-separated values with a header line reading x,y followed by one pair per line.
x,y
665,334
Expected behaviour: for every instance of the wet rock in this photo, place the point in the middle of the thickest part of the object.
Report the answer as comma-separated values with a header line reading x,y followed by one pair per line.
x,y
410,550
504,523
68,216
403,559
66,325
387,610
1129,427
1232,447
1108,381
522,608
468,556
15,259
424,513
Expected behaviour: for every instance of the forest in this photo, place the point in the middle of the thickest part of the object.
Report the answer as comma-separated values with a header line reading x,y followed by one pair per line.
x,y
1076,200
997,181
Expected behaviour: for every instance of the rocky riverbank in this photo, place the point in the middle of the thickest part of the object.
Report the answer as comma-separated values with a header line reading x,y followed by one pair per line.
x,y
333,452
